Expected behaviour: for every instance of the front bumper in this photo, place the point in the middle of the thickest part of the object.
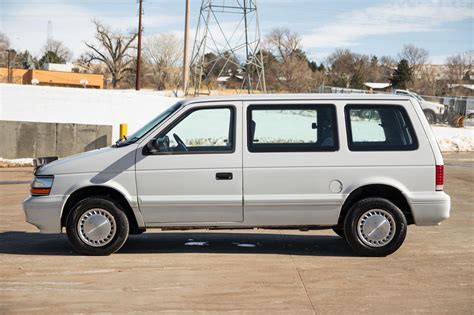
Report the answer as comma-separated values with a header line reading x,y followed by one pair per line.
x,y
430,208
44,212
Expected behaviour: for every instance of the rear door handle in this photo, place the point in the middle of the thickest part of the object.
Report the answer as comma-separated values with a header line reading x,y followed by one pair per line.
x,y
224,176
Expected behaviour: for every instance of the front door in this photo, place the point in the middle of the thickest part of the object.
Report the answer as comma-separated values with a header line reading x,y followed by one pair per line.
x,y
195,174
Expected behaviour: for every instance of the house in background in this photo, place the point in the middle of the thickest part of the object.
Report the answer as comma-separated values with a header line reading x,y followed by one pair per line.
x,y
378,86
52,75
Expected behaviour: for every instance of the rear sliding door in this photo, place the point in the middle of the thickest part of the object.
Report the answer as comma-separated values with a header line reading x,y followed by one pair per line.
x,y
289,154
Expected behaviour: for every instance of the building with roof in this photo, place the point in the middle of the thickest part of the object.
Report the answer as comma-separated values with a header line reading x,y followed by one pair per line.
x,y
51,78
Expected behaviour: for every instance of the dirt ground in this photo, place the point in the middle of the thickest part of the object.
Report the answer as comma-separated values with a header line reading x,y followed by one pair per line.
x,y
285,272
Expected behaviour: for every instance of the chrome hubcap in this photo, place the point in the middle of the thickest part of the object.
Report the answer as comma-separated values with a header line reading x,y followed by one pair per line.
x,y
376,228
96,227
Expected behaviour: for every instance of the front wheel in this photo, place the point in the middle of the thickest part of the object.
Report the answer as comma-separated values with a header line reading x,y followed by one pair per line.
x,y
97,226
375,227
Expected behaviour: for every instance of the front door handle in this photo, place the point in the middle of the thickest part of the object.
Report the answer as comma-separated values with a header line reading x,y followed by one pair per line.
x,y
224,176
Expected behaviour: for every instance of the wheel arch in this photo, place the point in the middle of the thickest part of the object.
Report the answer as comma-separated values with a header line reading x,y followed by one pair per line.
x,y
389,192
101,191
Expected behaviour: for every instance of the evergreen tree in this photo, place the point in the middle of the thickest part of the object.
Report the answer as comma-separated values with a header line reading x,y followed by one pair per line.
x,y
50,57
25,60
402,75
357,80
313,66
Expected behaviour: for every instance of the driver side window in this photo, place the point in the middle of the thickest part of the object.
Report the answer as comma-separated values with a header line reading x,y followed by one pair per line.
x,y
201,130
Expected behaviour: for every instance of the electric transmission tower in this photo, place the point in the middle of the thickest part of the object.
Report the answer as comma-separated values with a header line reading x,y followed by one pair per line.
x,y
227,46
49,34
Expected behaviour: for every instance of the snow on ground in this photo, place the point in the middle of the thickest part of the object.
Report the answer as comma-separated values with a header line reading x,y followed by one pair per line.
x,y
112,107
81,106
454,139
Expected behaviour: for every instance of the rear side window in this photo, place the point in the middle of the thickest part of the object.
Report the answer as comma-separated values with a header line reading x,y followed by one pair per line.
x,y
291,128
379,128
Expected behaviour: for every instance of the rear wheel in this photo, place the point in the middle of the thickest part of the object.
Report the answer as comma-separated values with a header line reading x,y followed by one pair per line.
x,y
97,226
375,227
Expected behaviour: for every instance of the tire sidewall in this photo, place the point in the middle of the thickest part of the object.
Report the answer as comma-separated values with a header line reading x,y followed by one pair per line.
x,y
430,117
352,219
121,221
339,232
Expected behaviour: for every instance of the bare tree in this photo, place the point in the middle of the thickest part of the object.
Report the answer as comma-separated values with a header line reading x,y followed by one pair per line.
x,y
113,50
340,62
58,48
292,69
164,52
388,61
458,65
348,69
4,45
415,56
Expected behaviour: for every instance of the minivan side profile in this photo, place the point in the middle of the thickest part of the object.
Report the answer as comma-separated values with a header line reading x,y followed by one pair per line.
x,y
258,161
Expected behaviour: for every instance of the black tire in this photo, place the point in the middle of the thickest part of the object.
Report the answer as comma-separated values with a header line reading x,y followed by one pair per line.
x,y
430,117
360,243
340,232
114,243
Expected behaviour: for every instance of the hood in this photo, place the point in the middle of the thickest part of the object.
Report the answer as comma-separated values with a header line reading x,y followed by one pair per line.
x,y
433,104
110,159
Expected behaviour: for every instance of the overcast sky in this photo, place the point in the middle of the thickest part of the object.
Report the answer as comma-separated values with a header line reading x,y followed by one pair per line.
x,y
379,27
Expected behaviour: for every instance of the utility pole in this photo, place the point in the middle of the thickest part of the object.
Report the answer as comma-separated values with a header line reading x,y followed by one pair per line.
x,y
9,69
247,68
139,48
186,49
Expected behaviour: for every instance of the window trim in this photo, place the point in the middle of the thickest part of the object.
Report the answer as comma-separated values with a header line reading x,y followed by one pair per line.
x,y
382,147
252,148
186,113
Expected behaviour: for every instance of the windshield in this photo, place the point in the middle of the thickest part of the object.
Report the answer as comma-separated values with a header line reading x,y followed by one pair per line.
x,y
149,126
418,97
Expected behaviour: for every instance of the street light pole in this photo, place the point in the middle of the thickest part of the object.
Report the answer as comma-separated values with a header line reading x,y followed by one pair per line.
x,y
186,49
139,48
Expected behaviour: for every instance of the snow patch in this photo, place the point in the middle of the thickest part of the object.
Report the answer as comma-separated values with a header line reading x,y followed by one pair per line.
x,y
82,106
454,139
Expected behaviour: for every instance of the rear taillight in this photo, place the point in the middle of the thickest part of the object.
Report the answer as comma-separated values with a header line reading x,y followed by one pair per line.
x,y
439,177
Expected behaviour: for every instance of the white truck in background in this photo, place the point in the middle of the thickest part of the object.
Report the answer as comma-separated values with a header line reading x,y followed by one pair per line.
x,y
434,112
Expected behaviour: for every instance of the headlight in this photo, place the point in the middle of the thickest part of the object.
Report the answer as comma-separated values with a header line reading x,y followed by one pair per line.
x,y
41,185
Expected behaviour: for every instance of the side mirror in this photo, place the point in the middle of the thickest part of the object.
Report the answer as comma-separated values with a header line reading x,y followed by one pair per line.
x,y
160,144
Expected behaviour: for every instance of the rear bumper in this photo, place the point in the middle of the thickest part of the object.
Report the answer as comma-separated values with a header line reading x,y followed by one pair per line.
x,y
44,212
430,208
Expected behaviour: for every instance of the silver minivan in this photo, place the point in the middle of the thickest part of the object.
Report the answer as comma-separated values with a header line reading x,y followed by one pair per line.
x,y
366,166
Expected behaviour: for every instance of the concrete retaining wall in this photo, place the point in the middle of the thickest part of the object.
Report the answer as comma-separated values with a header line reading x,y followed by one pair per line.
x,y
19,139
81,106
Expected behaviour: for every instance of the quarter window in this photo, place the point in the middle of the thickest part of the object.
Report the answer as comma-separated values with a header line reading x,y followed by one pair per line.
x,y
379,128
291,128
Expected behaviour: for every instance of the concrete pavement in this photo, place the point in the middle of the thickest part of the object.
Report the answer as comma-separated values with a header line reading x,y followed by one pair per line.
x,y
253,272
